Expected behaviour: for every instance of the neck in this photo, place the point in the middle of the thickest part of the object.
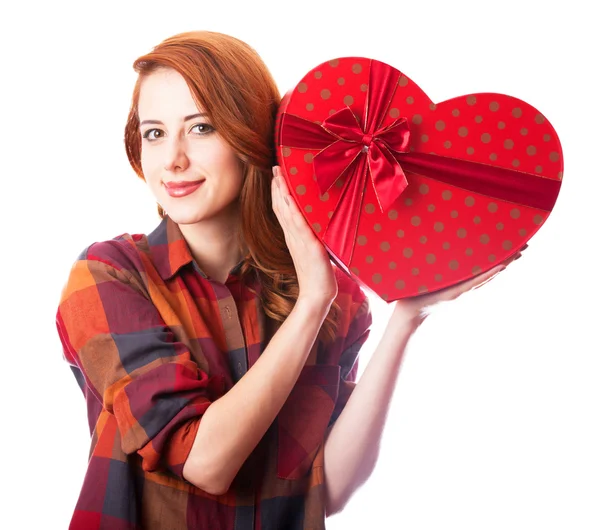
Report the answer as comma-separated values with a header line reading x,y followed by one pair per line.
x,y
215,245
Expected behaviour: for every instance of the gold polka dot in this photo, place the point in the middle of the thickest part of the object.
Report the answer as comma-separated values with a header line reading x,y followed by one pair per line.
x,y
438,227
415,271
400,233
415,220
470,150
310,106
339,183
461,233
377,278
399,284
377,227
308,208
515,213
384,296
302,87
341,81
516,162
438,277
318,74
423,189
476,269
317,227
456,113
384,246
330,214
491,258
478,119
361,240
446,195
286,151
508,144
484,239
522,232
422,289
364,87
445,245
369,259
554,156
531,150
494,106
430,258
393,215
440,125
424,138
524,131
410,100
334,62
325,94
301,189
370,208
471,100
392,265
486,138
355,271
453,264
293,170
447,144
538,169
417,119
501,125
559,175
407,252
507,244
394,113
403,81
492,207
546,137
538,219
408,202
499,226
357,68
431,208
493,156
539,119
517,112
477,219
432,106
469,201
348,100
308,158
423,240
332,111
469,251
463,131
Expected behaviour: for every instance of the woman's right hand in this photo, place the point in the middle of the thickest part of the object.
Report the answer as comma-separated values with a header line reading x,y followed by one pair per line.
x,y
316,277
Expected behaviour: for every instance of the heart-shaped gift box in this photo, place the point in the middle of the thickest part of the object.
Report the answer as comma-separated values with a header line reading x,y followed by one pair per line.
x,y
410,196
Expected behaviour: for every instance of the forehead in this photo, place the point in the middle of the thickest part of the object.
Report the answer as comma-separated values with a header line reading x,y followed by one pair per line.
x,y
164,94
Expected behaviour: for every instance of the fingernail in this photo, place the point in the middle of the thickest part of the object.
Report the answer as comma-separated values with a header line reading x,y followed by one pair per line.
x,y
517,257
275,171
286,200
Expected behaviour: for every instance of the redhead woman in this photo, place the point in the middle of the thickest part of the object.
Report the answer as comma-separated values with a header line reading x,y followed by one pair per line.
x,y
218,353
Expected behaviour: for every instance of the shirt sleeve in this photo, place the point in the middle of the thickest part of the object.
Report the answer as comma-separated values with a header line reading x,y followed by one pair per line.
x,y
358,333
130,360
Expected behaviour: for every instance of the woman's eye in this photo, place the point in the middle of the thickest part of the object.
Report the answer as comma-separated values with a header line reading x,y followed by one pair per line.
x,y
153,134
202,128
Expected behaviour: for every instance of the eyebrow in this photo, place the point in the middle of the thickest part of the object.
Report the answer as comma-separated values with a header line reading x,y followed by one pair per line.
x,y
187,118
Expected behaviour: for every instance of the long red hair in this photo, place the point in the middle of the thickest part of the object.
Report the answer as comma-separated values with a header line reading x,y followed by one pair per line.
x,y
229,80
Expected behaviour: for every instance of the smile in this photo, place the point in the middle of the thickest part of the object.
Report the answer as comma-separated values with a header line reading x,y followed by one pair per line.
x,y
181,189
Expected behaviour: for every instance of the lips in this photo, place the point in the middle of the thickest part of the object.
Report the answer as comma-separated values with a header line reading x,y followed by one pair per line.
x,y
182,188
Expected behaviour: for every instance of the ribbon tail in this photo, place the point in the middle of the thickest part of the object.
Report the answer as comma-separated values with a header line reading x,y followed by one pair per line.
x,y
331,163
387,175
340,234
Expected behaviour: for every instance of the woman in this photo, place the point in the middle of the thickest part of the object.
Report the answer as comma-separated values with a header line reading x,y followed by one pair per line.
x,y
217,354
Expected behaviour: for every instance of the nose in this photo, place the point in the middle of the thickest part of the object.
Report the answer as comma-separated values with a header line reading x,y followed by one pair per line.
x,y
176,158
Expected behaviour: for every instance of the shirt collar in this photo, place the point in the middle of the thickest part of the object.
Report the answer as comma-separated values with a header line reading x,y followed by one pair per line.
x,y
170,251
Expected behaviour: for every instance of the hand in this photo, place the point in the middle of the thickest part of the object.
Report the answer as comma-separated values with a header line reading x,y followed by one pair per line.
x,y
316,278
415,309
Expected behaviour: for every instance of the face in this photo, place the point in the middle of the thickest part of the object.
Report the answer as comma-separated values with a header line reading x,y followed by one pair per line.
x,y
193,173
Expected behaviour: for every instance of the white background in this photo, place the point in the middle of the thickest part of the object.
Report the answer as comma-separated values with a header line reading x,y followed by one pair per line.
x,y
494,423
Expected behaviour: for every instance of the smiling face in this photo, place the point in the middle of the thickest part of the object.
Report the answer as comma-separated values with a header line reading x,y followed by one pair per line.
x,y
193,173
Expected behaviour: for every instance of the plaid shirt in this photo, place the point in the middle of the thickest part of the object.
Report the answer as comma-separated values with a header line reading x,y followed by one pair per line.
x,y
152,342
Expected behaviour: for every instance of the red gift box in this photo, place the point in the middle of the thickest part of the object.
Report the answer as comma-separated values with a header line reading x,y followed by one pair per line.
x,y
410,196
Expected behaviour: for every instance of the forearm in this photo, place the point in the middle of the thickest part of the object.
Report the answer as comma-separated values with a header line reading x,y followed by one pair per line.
x,y
348,465
234,424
